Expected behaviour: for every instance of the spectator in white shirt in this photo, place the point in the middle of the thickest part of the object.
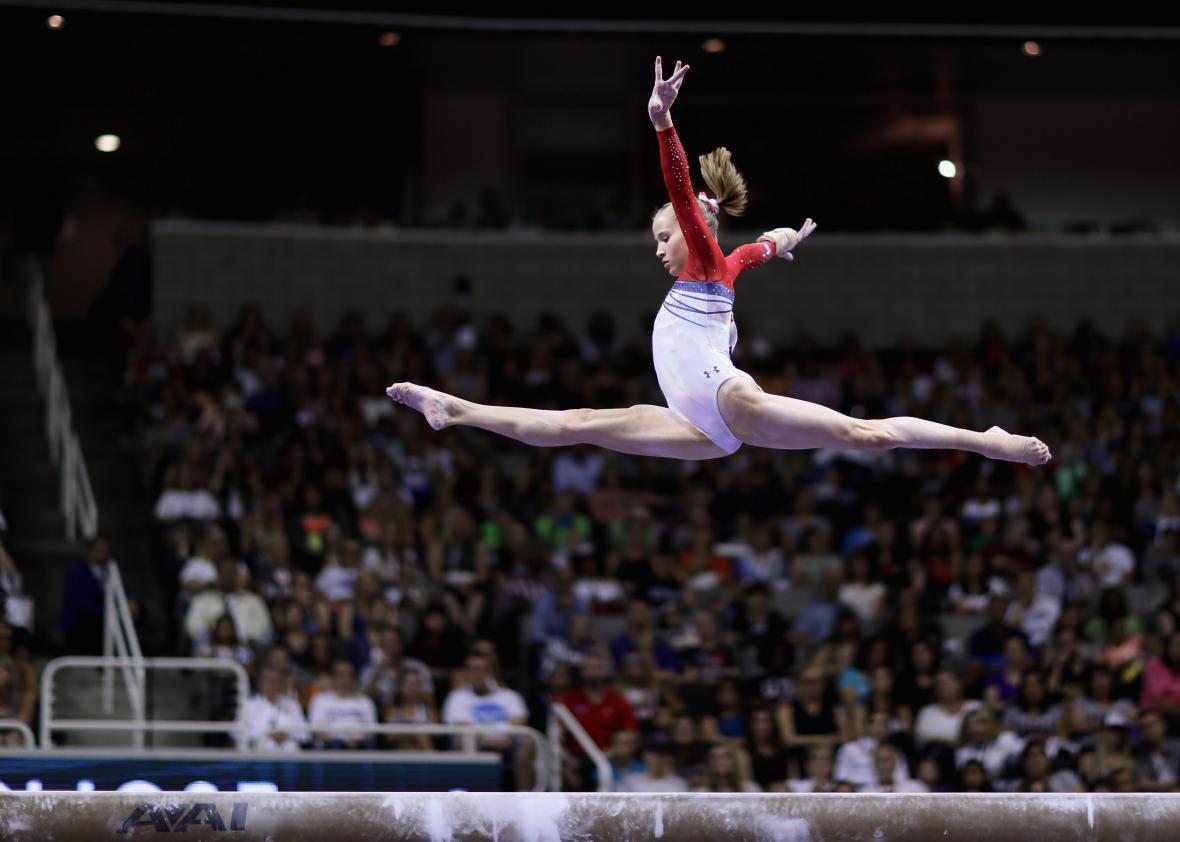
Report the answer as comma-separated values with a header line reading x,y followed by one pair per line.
x,y
885,779
181,498
1112,562
200,571
855,760
274,720
337,578
250,615
344,703
985,742
942,720
481,701
577,469
659,772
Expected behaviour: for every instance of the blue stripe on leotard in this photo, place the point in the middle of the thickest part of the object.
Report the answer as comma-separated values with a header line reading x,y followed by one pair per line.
x,y
706,287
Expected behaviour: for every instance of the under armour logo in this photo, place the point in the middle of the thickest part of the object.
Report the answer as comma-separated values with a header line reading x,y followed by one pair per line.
x,y
716,370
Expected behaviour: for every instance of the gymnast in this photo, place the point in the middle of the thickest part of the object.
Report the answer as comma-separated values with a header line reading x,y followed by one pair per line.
x,y
713,407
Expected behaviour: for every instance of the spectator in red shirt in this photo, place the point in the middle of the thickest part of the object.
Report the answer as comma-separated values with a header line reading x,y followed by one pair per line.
x,y
599,707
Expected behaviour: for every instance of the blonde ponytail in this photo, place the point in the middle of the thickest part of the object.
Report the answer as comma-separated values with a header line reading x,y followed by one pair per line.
x,y
724,181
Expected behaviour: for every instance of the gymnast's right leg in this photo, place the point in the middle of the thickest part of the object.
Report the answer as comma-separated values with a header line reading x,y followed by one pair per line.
x,y
642,430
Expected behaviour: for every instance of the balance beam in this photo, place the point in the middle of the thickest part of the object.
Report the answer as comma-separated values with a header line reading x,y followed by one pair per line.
x,y
585,817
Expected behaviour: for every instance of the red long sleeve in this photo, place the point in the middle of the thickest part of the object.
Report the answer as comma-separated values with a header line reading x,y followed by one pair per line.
x,y
706,261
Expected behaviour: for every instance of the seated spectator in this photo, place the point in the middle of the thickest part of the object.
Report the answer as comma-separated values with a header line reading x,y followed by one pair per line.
x,y
810,720
1034,612
986,645
726,772
572,647
200,571
412,704
728,719
973,777
1089,712
861,592
982,740
272,566
274,719
1032,714
659,773
1157,760
388,667
885,773
942,720
763,644
599,708
342,565
343,704
481,701
1109,753
818,768
440,644
918,677
16,608
641,635
688,751
83,601
1161,685
855,759
1001,684
185,497
623,755
767,757
18,685
1037,773
975,586
1109,562
884,698
250,615
224,642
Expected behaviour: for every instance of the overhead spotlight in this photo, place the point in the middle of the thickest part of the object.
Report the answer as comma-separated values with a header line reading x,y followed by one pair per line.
x,y
389,39
947,168
713,45
107,142
1031,48
55,22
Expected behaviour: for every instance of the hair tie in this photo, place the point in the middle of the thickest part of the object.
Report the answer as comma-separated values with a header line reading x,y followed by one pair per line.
x,y
711,202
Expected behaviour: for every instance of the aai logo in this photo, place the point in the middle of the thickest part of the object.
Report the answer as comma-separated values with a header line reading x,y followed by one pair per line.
x,y
177,818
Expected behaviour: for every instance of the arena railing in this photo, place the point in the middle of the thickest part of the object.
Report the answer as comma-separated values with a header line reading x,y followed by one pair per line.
x,y
138,724
562,719
120,645
20,727
77,497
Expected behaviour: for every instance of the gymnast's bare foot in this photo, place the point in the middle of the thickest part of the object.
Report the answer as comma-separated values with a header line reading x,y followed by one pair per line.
x,y
1011,448
439,409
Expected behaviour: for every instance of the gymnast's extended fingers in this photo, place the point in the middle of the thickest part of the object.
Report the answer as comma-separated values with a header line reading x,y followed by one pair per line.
x,y
659,70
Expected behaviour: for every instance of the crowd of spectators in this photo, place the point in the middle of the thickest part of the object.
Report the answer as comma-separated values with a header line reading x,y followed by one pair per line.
x,y
802,621
18,675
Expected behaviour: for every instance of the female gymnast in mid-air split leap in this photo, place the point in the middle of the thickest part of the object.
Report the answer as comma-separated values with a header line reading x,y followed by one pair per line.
x,y
713,407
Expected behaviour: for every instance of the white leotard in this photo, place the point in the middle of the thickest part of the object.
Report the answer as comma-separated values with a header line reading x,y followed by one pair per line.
x,y
691,341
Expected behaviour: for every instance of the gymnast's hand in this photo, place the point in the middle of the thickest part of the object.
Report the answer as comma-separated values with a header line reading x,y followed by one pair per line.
x,y
663,94
785,239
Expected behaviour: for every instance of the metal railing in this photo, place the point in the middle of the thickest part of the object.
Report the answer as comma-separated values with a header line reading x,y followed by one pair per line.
x,y
541,760
561,718
120,646
138,724
77,497
20,727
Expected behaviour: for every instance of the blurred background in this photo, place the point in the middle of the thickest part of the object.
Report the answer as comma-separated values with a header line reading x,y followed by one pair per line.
x,y
224,229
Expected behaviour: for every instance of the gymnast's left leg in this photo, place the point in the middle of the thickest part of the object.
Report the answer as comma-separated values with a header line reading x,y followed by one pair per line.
x,y
774,421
